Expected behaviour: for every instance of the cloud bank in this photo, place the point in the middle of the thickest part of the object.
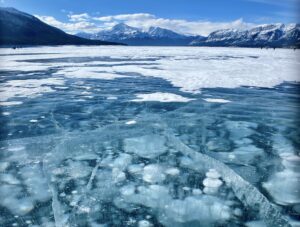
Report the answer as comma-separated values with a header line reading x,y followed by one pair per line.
x,y
86,23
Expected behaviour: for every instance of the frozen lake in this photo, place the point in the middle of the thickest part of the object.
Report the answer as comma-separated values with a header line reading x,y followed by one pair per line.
x,y
149,136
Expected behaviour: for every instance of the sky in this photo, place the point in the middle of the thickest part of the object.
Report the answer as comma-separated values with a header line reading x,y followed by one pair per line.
x,y
198,17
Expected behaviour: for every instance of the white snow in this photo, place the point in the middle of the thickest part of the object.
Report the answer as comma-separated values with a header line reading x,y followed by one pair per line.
x,y
26,88
217,100
161,97
11,103
5,113
88,72
190,69
132,122
112,98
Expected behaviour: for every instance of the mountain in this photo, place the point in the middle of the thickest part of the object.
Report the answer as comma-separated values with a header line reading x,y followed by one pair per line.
x,y
155,36
271,35
19,28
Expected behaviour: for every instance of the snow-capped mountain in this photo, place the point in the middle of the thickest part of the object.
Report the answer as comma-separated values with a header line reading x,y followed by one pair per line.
x,y
271,35
135,36
158,32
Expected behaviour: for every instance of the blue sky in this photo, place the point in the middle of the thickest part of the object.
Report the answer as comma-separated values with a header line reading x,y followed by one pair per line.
x,y
185,16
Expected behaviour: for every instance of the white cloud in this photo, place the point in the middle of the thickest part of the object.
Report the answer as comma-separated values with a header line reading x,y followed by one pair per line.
x,y
78,17
70,27
84,22
135,16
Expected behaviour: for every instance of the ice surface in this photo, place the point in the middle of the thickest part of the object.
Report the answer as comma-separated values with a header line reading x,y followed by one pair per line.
x,y
180,66
77,151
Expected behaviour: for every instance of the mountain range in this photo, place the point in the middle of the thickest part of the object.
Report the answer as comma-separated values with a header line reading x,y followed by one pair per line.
x,y
155,36
19,28
270,35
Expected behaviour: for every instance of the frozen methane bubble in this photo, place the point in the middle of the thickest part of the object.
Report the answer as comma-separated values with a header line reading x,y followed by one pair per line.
x,y
247,193
284,186
122,161
118,175
144,223
240,129
148,146
11,197
172,171
127,190
212,182
204,209
197,191
135,169
153,173
212,173
78,169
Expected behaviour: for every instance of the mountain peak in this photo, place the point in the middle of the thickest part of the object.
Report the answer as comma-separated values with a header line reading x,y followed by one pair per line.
x,y
163,32
123,27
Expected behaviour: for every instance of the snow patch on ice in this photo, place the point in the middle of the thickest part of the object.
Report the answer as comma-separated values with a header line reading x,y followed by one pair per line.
x,y
26,88
89,73
161,97
217,100
132,122
11,103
